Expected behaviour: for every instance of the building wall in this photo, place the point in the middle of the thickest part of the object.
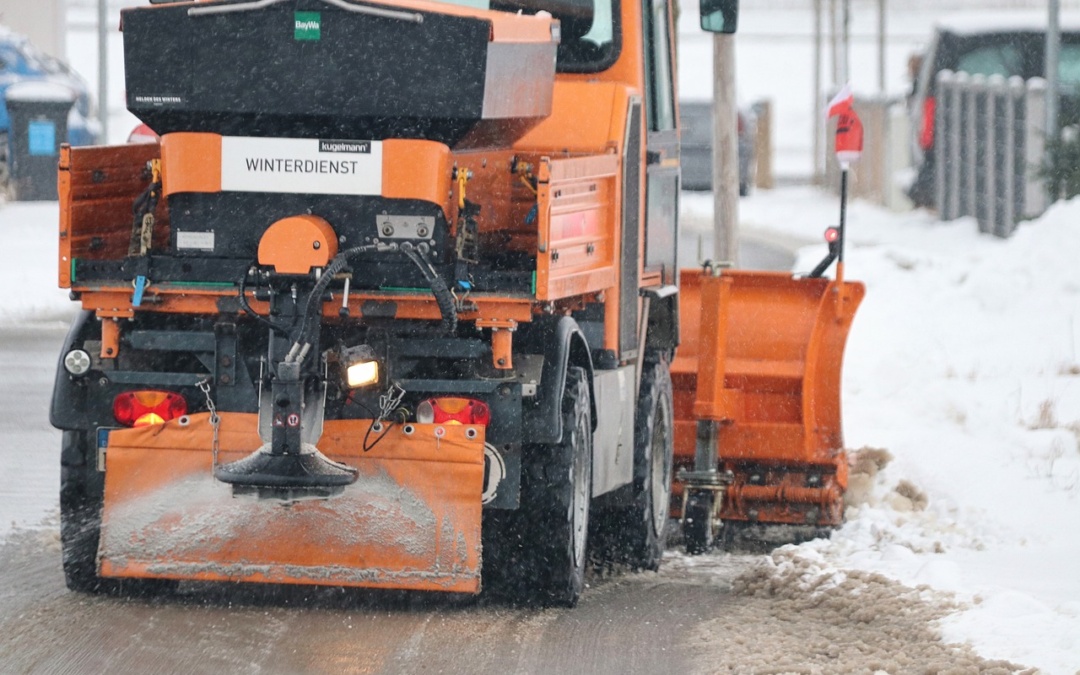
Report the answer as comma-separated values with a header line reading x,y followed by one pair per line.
x,y
43,21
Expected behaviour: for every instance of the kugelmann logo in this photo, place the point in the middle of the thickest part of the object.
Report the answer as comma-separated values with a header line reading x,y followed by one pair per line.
x,y
308,26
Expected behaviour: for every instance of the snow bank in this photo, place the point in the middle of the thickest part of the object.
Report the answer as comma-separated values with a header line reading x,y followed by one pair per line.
x,y
28,275
964,365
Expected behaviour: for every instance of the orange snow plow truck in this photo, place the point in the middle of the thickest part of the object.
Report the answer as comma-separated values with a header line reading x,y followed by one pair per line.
x,y
393,302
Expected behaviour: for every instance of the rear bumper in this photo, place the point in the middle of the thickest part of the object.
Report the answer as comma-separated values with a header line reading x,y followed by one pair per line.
x,y
411,521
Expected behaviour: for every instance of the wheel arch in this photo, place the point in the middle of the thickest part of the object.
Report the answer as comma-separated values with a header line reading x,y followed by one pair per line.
x,y
563,345
67,409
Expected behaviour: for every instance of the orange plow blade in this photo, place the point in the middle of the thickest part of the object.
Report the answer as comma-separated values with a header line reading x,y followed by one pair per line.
x,y
761,354
411,521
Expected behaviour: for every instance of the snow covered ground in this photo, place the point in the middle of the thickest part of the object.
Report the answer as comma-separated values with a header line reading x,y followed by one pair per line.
x,y
963,365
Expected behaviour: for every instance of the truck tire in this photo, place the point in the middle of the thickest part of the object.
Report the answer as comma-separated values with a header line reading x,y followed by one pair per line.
x,y
537,554
635,532
82,492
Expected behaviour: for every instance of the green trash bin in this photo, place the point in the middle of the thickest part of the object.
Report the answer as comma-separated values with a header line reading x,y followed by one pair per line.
x,y
39,124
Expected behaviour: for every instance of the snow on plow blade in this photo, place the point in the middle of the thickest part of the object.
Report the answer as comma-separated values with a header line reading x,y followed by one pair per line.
x,y
761,353
411,521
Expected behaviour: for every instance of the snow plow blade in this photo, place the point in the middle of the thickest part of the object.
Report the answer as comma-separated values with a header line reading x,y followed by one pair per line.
x,y
761,354
410,521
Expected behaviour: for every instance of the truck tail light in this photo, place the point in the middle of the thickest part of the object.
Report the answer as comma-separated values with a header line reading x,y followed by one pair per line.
x,y
926,138
149,406
453,411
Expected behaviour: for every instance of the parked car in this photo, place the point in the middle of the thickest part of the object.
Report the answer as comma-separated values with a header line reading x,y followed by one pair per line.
x,y
1007,45
695,118
20,61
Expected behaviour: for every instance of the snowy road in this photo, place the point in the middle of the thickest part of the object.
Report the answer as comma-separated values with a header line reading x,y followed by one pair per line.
x,y
687,618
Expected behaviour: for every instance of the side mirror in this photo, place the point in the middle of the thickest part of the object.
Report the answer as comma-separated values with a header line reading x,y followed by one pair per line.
x,y
719,16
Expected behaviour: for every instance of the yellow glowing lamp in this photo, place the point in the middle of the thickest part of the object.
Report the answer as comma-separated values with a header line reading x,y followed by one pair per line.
x,y
362,374
361,366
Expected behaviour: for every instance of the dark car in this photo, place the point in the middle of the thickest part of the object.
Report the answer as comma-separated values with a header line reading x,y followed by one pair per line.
x,y
1009,45
695,122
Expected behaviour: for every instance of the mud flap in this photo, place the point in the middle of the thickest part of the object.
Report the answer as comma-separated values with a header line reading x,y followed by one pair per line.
x,y
411,521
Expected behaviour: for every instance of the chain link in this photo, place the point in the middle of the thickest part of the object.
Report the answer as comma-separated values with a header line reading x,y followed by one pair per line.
x,y
390,401
215,419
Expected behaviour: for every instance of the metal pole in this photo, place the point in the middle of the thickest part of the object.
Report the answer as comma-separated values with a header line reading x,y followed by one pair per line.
x,y
834,46
845,73
843,212
1053,52
815,117
725,152
103,68
881,47
1034,146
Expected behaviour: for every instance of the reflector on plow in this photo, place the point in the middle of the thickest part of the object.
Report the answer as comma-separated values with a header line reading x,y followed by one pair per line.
x,y
411,520
761,356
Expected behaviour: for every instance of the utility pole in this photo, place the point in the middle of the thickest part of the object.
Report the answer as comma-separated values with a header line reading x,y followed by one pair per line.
x,y
725,152
834,46
815,118
1053,56
881,47
103,68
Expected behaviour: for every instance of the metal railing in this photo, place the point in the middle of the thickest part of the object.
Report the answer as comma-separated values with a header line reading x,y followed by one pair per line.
x,y
989,144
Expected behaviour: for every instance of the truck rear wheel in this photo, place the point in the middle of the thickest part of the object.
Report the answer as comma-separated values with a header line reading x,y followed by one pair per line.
x,y
82,493
635,533
537,554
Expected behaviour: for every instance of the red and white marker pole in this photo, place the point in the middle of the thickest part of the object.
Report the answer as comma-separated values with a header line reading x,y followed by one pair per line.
x,y
849,145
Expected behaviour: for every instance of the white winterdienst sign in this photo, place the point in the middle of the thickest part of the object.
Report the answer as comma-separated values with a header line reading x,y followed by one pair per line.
x,y
301,166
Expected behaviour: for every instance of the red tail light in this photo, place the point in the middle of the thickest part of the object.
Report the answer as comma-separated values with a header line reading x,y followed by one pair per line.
x,y
926,138
453,411
146,407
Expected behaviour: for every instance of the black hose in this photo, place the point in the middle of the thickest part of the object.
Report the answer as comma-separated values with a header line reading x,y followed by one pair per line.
x,y
251,312
443,297
333,269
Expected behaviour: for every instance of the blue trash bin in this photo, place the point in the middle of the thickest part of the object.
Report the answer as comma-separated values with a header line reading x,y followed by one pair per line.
x,y
39,124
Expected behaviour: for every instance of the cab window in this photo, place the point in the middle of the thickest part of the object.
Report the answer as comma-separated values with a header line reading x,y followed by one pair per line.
x,y
1002,59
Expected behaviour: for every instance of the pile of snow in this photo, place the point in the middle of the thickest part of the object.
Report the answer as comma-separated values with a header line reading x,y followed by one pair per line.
x,y
29,273
963,365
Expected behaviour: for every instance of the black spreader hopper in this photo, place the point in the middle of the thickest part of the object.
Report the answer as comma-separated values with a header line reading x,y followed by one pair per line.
x,y
307,68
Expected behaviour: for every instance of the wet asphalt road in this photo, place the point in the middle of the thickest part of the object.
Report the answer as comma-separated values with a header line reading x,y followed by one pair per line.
x,y
626,624
684,619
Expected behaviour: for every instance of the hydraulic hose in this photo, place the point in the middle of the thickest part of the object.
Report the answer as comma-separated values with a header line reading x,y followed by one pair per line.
x,y
244,305
443,297
333,269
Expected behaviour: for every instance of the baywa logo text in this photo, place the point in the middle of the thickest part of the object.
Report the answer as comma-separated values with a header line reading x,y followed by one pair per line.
x,y
307,26
358,147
